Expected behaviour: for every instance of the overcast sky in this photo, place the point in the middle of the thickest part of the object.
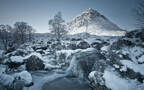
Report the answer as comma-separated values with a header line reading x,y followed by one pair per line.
x,y
38,12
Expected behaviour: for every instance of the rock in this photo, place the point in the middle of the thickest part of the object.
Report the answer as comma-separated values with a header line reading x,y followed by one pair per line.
x,y
10,50
72,46
40,51
14,62
96,45
83,62
24,76
20,52
34,63
96,77
83,45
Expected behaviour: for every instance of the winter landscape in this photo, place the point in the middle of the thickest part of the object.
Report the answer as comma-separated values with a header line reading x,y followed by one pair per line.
x,y
89,52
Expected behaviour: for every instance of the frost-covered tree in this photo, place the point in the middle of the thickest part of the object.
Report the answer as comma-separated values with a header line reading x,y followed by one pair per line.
x,y
140,14
22,32
57,26
5,35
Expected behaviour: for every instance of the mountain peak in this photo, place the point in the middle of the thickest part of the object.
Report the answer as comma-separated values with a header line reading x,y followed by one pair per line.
x,y
97,24
90,10
91,13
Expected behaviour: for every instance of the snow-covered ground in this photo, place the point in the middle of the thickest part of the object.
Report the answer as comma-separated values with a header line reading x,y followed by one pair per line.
x,y
115,82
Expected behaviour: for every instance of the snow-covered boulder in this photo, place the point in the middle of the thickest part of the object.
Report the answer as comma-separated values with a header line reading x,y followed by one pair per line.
x,y
25,77
15,61
97,81
96,77
34,62
6,80
20,52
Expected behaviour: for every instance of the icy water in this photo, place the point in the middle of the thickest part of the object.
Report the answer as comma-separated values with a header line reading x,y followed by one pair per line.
x,y
53,81
65,84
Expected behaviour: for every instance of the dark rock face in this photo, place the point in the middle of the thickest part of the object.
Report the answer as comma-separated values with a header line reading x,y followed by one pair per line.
x,y
34,63
57,46
122,43
83,45
96,45
72,46
99,45
10,50
40,47
14,64
136,34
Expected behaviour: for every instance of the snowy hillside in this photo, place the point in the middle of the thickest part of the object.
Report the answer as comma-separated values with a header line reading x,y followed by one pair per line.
x,y
94,23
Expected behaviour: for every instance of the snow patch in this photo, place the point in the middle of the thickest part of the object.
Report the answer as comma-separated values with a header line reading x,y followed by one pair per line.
x,y
134,66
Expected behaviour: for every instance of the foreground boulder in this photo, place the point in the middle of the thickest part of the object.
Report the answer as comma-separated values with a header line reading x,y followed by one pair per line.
x,y
34,63
84,62
16,81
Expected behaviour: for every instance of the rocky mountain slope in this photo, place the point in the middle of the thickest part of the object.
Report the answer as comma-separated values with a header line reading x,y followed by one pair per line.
x,y
92,22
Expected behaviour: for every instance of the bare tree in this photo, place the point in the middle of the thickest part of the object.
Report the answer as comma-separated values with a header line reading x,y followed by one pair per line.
x,y
23,32
140,14
57,26
5,35
30,33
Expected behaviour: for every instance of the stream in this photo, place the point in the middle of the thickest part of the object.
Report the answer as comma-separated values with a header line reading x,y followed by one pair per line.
x,y
45,80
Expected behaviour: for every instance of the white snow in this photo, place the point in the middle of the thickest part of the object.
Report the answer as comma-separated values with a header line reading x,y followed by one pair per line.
x,y
141,59
133,52
97,25
116,66
92,74
50,66
67,52
18,59
134,66
105,48
35,54
123,68
113,81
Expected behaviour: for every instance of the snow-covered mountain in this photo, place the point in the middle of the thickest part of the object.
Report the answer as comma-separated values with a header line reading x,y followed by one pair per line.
x,y
94,23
